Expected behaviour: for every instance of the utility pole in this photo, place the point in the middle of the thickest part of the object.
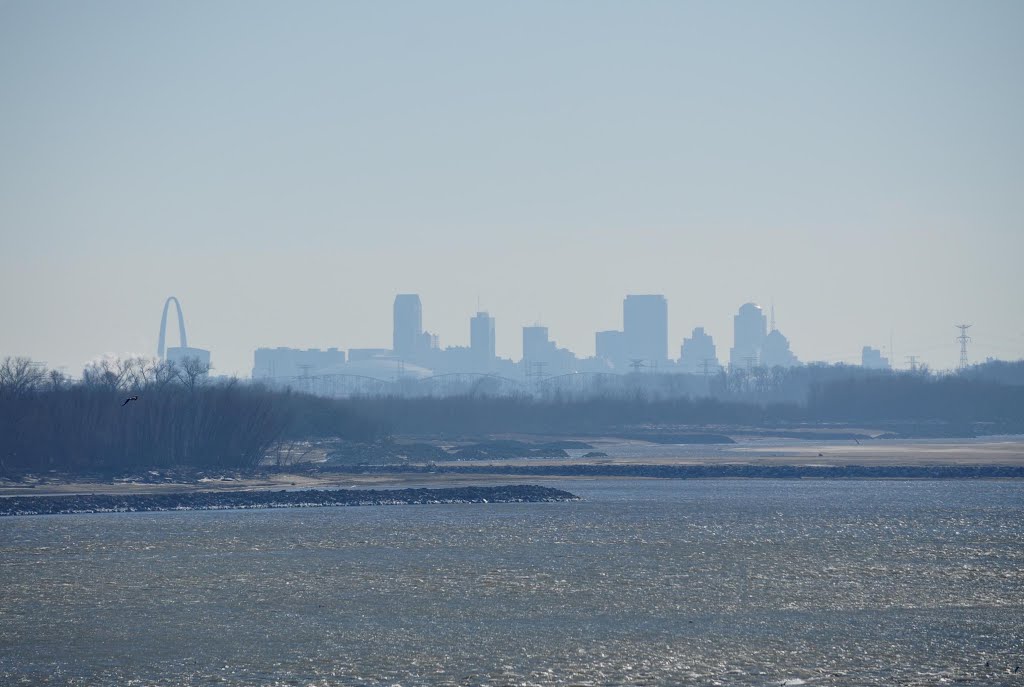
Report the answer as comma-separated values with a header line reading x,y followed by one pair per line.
x,y
912,359
963,339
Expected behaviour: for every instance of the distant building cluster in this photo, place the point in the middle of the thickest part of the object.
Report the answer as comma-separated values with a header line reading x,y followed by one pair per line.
x,y
294,362
642,345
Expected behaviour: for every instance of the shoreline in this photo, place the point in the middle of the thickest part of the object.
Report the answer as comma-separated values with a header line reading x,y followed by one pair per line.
x,y
995,457
67,504
706,471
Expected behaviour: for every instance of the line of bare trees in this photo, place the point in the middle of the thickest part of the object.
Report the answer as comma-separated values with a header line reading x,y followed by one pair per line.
x,y
903,402
183,419
49,422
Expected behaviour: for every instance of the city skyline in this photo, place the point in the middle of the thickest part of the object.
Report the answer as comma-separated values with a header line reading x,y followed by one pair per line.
x,y
287,175
408,307
756,342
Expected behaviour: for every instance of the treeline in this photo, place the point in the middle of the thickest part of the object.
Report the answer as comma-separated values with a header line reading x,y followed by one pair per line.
x,y
953,399
913,403
181,418
455,416
798,384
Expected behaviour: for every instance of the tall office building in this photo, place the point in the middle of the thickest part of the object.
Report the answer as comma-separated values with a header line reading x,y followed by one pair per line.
x,y
481,341
645,327
407,337
872,359
697,351
542,356
775,351
610,346
750,328
536,346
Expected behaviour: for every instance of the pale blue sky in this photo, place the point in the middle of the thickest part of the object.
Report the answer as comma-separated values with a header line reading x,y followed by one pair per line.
x,y
286,168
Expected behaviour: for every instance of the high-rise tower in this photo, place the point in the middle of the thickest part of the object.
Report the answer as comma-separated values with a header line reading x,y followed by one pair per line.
x,y
750,328
407,337
698,353
645,327
481,341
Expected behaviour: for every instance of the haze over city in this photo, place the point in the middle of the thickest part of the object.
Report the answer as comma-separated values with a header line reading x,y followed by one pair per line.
x,y
286,171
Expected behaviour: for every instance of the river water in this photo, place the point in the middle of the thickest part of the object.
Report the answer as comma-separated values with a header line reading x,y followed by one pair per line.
x,y
748,582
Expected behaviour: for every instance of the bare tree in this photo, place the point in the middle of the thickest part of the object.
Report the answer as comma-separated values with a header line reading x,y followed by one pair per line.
x,y
192,372
19,376
109,374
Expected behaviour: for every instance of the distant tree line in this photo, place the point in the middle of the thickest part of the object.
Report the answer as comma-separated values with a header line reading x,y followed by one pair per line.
x,y
901,403
182,419
455,416
798,384
954,399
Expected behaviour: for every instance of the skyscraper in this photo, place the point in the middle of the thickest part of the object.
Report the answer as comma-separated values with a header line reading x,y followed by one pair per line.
x,y
750,327
611,347
696,351
536,346
775,351
407,336
481,341
871,358
645,327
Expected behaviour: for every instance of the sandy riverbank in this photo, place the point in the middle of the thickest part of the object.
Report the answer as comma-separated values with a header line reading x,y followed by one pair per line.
x,y
984,451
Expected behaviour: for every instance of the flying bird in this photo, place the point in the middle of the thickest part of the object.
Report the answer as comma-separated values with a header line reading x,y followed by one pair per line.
x,y
127,400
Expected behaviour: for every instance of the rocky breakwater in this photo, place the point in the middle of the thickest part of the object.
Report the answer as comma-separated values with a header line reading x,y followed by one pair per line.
x,y
309,498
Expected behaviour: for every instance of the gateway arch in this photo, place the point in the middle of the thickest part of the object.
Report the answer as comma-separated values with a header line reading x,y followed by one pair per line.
x,y
182,339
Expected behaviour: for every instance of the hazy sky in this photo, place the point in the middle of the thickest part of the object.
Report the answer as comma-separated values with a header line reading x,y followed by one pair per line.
x,y
285,168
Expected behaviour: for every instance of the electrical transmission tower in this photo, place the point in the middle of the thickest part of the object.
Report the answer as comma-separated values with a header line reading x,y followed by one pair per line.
x,y
963,339
535,371
912,359
307,381
636,364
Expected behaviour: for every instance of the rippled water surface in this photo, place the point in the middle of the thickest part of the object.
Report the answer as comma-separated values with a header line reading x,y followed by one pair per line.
x,y
645,582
